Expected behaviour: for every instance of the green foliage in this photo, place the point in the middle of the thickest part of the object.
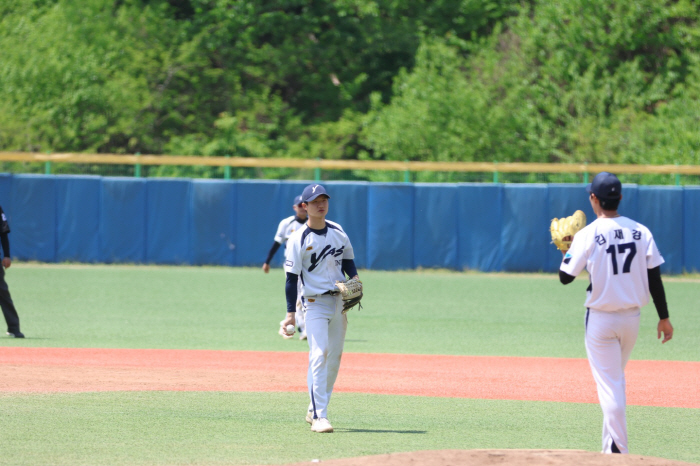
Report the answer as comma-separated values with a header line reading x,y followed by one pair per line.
x,y
563,81
469,80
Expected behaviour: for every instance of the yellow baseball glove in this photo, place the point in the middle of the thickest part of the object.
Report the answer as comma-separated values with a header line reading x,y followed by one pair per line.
x,y
564,229
351,292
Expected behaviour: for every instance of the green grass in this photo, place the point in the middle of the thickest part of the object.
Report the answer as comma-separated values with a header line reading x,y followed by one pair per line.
x,y
203,428
404,312
431,312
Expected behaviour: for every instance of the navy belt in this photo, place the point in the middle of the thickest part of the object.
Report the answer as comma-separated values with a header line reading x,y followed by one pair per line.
x,y
332,293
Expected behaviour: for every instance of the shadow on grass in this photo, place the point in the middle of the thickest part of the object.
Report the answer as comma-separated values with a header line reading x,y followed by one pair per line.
x,y
381,431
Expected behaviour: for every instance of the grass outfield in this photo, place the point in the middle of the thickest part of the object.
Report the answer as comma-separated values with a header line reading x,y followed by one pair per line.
x,y
404,312
204,428
222,308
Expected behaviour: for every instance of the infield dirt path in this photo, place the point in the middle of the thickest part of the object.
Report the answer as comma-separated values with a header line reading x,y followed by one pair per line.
x,y
506,378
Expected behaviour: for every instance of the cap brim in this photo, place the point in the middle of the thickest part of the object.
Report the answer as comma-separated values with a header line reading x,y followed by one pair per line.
x,y
589,187
315,196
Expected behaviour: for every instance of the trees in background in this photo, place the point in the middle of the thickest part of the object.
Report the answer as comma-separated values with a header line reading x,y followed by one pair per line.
x,y
538,81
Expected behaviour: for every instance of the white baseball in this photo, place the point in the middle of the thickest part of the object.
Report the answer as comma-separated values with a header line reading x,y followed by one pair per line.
x,y
290,329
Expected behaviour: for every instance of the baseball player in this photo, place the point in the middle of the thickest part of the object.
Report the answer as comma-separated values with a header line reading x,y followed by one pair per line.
x,y
285,229
623,264
318,255
8,307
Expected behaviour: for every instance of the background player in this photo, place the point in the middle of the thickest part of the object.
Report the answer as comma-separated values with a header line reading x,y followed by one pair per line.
x,y
623,263
285,229
320,254
8,307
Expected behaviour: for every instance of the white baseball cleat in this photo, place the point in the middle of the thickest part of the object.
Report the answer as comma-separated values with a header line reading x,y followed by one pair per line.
x,y
283,332
302,335
322,425
310,417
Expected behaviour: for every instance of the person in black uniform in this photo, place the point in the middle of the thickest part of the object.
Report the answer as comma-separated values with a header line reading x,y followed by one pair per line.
x,y
8,307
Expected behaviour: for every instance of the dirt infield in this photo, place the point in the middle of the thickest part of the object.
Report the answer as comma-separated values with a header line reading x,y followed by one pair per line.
x,y
45,370
501,457
507,378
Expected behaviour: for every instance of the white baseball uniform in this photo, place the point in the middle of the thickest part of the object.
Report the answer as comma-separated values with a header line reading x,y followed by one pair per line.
x,y
316,256
285,229
617,252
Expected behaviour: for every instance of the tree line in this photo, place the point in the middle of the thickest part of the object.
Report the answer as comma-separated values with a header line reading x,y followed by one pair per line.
x,y
443,80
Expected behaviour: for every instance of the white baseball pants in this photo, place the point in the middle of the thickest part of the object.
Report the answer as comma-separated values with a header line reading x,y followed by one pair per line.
x,y
325,332
299,318
610,338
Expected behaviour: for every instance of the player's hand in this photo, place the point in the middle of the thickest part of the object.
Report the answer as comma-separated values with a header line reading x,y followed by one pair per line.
x,y
290,320
266,268
666,328
566,238
6,262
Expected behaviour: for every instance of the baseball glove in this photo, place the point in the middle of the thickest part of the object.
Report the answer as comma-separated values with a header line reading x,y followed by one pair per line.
x,y
564,229
351,292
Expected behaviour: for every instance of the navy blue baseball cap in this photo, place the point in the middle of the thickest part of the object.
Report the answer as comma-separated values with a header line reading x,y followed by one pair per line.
x,y
297,200
605,186
312,191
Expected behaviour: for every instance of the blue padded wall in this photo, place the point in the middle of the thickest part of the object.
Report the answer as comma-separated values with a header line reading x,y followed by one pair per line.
x,y
78,218
33,226
6,192
435,226
480,214
212,227
691,227
525,235
258,212
123,220
392,226
168,220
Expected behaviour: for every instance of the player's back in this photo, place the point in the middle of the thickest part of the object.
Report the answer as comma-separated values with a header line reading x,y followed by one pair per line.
x,y
619,252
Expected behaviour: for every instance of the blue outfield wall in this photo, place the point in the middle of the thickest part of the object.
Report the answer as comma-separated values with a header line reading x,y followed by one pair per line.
x,y
393,226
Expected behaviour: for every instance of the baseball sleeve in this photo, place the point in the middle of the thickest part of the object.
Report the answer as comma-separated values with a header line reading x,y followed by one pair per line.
x,y
348,252
280,234
575,258
293,261
654,258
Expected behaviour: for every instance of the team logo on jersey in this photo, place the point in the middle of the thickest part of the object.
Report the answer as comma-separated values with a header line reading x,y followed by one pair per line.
x,y
327,251
289,263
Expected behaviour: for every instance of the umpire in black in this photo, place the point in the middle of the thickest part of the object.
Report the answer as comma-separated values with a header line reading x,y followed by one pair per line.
x,y
8,307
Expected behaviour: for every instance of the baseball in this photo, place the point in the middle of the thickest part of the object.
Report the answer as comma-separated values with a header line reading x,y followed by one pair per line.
x,y
290,329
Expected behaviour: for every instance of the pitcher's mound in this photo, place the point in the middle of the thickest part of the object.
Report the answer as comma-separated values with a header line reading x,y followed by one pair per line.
x,y
500,457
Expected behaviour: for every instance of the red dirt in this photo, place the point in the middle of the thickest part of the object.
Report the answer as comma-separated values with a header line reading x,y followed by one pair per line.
x,y
508,378
500,457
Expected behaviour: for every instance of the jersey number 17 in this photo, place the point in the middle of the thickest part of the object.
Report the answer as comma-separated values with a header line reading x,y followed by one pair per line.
x,y
621,248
